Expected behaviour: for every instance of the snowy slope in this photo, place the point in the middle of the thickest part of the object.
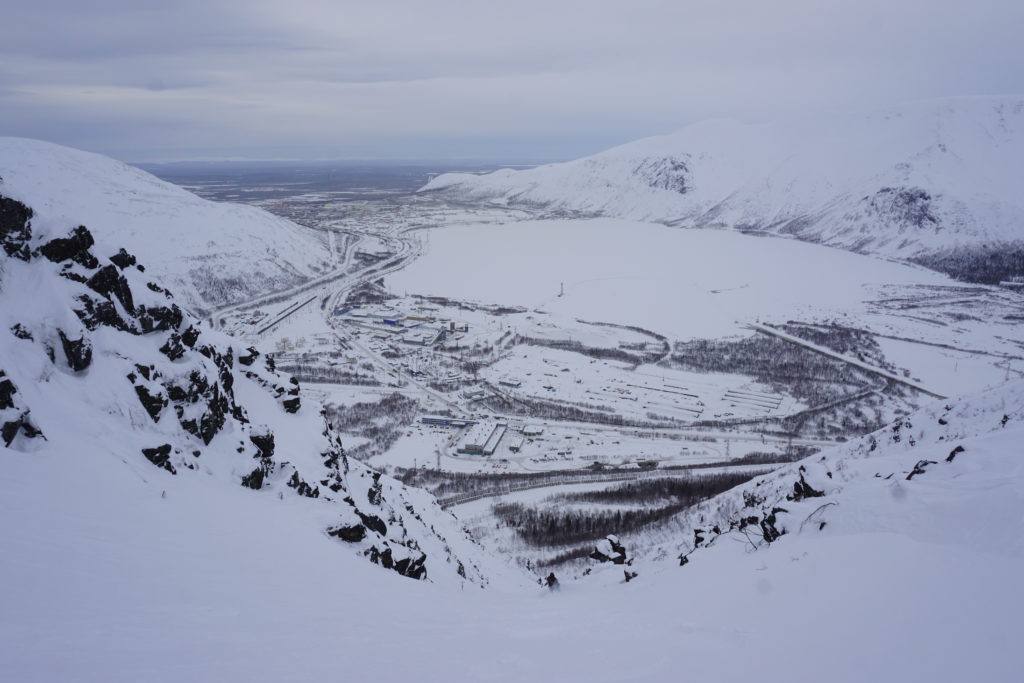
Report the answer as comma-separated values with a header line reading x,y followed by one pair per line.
x,y
103,375
904,182
947,474
209,253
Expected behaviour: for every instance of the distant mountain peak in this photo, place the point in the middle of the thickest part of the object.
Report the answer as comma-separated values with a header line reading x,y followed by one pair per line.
x,y
935,182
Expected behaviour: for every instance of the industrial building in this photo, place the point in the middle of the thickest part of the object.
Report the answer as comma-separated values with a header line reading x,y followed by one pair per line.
x,y
532,430
443,421
424,336
482,438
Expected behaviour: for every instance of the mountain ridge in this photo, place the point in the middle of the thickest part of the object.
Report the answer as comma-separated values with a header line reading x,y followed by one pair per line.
x,y
917,182
210,253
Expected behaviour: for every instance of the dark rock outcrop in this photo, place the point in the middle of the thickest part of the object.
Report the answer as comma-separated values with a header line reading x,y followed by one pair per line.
x,y
264,444
254,480
919,468
14,417
609,550
75,247
413,567
154,403
160,456
96,312
160,318
302,488
249,357
109,281
351,534
21,423
374,523
802,490
122,259
20,332
7,391
173,348
78,352
375,493
769,531
15,228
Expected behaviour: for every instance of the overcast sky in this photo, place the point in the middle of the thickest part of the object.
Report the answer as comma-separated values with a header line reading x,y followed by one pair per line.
x,y
487,79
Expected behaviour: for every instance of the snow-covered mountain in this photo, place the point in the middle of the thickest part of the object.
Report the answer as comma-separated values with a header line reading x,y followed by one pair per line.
x,y
930,181
209,253
103,374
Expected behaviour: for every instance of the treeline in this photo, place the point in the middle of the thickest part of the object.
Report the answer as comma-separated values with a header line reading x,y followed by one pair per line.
x,y
575,346
320,374
791,454
555,524
688,490
786,367
989,264
367,293
380,422
848,341
451,303
632,328
547,527
571,412
446,484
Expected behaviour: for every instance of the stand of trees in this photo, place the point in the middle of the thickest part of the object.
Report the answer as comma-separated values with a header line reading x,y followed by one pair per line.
x,y
381,422
322,374
788,368
988,264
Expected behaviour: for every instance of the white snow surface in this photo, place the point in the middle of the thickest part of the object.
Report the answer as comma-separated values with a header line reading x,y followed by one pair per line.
x,y
925,177
113,569
682,283
105,580
209,253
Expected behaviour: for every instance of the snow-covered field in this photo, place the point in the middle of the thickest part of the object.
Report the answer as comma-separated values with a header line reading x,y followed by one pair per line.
x,y
552,373
681,283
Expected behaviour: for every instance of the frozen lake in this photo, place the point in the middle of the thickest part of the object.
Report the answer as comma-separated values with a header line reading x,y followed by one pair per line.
x,y
681,283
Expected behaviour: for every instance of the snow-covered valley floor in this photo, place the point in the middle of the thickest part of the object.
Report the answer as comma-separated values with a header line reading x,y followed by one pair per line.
x,y
682,283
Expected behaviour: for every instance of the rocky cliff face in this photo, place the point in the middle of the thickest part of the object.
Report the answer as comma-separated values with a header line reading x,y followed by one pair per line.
x,y
88,338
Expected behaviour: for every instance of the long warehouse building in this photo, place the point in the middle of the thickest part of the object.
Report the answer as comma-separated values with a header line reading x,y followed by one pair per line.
x,y
482,439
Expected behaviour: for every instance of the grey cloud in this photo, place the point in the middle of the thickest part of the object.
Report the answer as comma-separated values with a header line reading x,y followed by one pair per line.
x,y
403,78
